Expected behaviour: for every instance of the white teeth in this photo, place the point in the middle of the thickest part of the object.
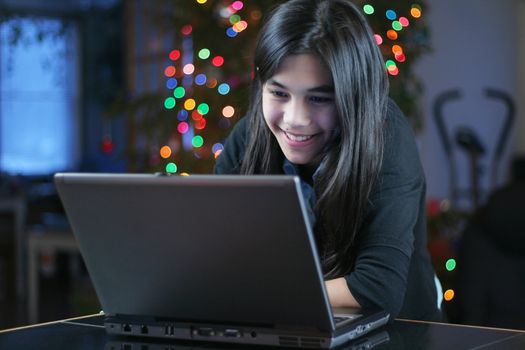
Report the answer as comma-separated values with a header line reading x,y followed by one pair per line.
x,y
299,138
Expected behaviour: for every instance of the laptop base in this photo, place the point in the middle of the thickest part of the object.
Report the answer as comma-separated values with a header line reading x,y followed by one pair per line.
x,y
256,334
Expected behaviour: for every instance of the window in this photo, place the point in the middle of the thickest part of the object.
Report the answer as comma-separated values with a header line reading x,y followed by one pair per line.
x,y
39,96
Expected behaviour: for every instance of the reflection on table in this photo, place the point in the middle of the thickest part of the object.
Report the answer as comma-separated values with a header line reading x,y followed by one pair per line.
x,y
89,333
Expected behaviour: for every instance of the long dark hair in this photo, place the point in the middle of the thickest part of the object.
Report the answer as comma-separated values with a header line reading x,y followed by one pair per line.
x,y
338,34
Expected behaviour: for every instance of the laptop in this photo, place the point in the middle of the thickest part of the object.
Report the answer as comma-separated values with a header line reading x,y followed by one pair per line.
x,y
223,258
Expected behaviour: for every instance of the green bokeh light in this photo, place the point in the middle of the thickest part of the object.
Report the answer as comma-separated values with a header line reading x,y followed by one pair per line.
x,y
234,19
204,54
171,168
179,92
450,264
197,141
397,25
369,9
169,103
203,108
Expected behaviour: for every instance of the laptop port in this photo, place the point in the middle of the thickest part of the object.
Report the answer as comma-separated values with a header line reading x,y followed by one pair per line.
x,y
169,330
126,328
232,333
205,332
143,329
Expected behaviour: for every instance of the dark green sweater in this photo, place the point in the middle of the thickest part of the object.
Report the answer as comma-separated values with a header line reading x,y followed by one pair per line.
x,y
392,267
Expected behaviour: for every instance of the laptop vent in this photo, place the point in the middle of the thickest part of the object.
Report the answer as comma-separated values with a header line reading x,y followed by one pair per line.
x,y
310,342
288,341
300,342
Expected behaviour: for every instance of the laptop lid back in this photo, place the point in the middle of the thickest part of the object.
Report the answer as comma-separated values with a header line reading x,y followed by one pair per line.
x,y
203,248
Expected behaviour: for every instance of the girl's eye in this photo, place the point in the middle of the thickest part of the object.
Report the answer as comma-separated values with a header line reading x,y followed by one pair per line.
x,y
319,99
278,93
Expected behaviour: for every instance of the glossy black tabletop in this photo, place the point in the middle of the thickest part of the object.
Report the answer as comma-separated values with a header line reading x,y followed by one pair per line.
x,y
88,333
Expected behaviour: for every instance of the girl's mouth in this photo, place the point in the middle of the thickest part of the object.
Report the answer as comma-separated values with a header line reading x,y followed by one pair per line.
x,y
298,138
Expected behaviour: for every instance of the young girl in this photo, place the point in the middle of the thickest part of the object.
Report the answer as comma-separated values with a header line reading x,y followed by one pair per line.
x,y
319,109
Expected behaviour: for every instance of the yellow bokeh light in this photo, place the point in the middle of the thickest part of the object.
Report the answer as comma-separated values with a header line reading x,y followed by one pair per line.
x,y
415,12
202,1
165,152
449,294
189,104
240,26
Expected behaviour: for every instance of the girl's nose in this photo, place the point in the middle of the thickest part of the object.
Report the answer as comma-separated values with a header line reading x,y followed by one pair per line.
x,y
296,115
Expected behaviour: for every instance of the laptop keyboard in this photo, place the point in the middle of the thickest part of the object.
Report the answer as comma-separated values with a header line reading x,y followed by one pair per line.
x,y
341,319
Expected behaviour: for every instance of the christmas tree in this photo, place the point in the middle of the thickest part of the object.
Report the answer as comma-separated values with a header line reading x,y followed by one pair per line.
x,y
207,74
208,77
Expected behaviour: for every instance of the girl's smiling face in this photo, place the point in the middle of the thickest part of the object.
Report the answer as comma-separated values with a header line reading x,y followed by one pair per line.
x,y
299,108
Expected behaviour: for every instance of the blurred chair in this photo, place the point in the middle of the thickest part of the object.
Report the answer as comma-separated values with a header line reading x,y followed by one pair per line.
x,y
491,259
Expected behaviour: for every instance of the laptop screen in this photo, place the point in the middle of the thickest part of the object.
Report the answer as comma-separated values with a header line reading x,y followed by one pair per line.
x,y
226,248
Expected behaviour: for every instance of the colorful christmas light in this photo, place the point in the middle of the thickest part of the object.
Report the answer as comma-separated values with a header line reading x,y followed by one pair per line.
x,y
449,294
174,55
192,76
182,115
415,11
228,111
200,79
217,61
183,127
165,151
171,168
223,89
197,141
171,83
368,9
170,71
397,23
179,92
169,103
189,104
391,15
450,265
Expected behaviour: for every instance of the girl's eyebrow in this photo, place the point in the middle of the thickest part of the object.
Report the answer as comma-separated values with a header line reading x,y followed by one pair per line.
x,y
321,88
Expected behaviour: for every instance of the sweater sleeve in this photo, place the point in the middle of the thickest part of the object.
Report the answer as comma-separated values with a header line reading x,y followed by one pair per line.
x,y
385,242
229,161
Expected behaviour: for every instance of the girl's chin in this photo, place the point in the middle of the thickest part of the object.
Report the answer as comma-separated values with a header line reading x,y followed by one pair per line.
x,y
301,159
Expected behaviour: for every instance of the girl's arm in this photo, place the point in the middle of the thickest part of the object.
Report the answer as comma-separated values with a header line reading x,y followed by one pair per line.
x,y
339,293
392,268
